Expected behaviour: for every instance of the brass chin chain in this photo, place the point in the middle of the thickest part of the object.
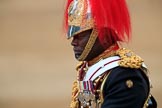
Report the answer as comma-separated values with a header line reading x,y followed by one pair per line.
x,y
89,45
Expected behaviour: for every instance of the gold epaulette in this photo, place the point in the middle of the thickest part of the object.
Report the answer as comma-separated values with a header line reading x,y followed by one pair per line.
x,y
129,59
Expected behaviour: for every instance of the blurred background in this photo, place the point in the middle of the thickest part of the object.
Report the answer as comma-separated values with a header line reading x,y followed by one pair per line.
x,y
37,65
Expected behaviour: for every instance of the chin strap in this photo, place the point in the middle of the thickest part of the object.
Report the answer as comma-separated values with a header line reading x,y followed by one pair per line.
x,y
89,45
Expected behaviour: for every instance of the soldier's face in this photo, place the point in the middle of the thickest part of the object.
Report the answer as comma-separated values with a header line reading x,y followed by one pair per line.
x,y
79,42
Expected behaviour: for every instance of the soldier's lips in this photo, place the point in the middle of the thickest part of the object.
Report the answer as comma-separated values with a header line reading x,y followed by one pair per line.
x,y
77,50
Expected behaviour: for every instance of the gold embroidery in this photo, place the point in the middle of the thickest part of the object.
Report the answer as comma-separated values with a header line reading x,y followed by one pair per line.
x,y
75,15
129,59
78,15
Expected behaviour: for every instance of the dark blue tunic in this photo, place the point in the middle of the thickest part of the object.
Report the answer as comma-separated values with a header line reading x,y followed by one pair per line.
x,y
117,93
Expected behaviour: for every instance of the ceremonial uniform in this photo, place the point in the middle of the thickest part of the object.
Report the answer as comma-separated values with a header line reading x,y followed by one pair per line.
x,y
113,83
115,77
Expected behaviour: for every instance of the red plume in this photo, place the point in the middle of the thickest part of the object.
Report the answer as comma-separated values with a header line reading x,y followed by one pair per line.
x,y
112,15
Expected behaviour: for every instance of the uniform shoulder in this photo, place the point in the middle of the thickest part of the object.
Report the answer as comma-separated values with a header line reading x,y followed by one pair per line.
x,y
125,78
124,73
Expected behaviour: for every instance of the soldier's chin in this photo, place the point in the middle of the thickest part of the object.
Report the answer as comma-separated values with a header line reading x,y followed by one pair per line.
x,y
77,56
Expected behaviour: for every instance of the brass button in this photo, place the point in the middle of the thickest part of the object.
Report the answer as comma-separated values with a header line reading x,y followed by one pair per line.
x,y
129,83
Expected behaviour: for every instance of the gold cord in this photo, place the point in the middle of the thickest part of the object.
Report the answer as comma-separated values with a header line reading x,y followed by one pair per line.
x,y
89,45
129,59
75,90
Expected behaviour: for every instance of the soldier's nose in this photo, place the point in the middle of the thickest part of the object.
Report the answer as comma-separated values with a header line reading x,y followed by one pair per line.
x,y
74,42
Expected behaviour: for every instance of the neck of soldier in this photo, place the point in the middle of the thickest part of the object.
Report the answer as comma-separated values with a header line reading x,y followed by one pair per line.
x,y
110,51
82,67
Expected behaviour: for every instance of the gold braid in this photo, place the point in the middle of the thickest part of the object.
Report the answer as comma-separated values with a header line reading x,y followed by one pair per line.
x,y
75,90
89,45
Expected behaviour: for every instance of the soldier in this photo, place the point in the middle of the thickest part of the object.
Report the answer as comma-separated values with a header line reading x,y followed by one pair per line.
x,y
108,75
